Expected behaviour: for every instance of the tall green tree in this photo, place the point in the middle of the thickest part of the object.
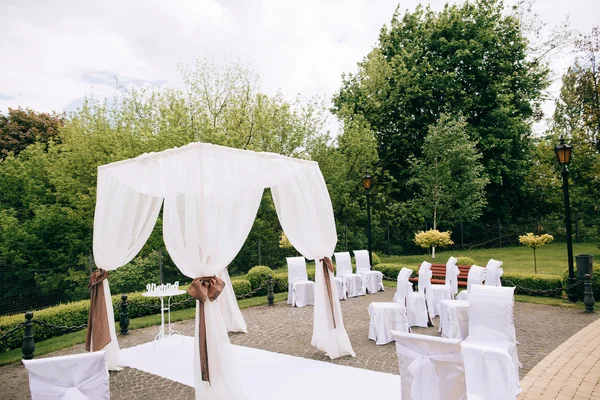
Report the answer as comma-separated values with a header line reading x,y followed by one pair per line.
x,y
21,128
449,177
467,59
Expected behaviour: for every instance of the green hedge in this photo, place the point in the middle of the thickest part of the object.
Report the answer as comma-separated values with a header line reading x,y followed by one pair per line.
x,y
535,282
579,289
392,270
75,314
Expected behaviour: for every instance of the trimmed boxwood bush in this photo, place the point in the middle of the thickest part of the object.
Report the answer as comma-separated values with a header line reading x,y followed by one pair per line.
x,y
465,261
76,313
258,276
534,282
375,258
579,289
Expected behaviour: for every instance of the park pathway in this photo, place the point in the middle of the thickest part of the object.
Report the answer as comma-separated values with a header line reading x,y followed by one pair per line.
x,y
570,372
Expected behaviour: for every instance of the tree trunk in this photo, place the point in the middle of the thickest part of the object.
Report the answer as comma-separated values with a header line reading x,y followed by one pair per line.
x,y
433,252
534,262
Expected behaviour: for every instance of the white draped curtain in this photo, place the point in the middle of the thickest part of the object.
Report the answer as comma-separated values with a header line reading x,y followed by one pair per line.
x,y
306,215
211,197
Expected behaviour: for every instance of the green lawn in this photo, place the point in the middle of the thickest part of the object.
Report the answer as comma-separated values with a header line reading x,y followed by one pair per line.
x,y
551,259
71,339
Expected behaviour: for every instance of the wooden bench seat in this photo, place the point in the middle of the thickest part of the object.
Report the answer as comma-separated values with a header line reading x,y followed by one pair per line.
x,y
439,275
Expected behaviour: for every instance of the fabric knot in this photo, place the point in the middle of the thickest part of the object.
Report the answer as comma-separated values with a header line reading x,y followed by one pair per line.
x,y
98,333
328,267
203,289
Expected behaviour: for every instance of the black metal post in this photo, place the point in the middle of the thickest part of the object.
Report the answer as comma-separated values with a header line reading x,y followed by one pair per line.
x,y
369,227
588,294
499,233
571,293
28,342
270,295
124,320
462,239
346,236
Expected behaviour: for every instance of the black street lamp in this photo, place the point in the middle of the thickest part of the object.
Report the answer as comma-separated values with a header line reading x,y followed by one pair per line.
x,y
367,181
563,156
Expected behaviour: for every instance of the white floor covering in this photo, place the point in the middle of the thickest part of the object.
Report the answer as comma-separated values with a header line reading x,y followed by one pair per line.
x,y
267,375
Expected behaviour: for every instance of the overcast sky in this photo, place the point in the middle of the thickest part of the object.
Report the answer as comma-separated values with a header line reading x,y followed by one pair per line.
x,y
55,52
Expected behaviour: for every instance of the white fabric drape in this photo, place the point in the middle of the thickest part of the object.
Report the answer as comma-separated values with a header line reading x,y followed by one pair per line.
x,y
123,221
203,231
72,377
234,320
306,215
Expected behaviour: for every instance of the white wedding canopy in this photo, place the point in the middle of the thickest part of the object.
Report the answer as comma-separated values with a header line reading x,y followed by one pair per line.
x,y
211,196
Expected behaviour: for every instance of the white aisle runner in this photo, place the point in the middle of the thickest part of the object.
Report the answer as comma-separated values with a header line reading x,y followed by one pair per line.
x,y
266,375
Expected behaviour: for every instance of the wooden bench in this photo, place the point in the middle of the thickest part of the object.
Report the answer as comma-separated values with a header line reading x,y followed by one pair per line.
x,y
439,274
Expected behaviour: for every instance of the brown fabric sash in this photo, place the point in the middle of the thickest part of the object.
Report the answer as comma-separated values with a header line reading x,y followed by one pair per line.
x,y
202,289
328,266
98,333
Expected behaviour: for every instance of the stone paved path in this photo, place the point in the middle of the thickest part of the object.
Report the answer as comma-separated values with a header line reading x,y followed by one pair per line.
x,y
284,329
570,372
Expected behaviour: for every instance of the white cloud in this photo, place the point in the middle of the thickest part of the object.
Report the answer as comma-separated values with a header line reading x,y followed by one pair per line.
x,y
56,52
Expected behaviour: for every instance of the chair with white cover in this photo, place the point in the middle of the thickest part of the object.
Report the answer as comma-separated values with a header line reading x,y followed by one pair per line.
x,y
493,273
415,308
386,317
372,280
301,291
425,293
343,269
73,377
431,368
340,285
490,351
476,276
449,289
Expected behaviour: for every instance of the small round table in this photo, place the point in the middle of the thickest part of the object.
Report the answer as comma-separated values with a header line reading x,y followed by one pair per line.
x,y
162,294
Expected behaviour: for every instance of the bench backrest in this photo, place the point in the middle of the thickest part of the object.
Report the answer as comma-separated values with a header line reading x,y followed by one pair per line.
x,y
439,271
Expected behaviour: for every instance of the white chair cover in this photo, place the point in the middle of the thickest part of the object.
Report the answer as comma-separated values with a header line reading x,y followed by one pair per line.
x,y
341,288
450,286
431,368
493,273
73,377
490,351
343,269
234,320
476,277
301,291
454,319
385,318
372,280
425,290
415,304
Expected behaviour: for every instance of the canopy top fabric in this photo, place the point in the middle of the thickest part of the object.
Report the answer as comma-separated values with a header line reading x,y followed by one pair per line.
x,y
196,167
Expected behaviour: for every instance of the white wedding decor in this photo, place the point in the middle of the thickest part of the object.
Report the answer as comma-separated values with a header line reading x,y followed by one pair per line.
x,y
161,291
454,319
372,280
431,368
415,305
493,273
73,377
353,283
301,291
152,287
211,195
475,277
449,289
234,320
386,317
490,351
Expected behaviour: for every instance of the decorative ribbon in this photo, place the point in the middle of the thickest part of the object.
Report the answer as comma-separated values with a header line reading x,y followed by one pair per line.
x,y
328,266
98,333
202,289
426,381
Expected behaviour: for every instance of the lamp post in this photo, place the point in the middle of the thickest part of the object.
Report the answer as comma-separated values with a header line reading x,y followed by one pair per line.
x,y
563,156
367,181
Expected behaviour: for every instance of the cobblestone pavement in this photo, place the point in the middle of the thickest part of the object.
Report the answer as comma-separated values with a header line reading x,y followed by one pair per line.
x,y
283,329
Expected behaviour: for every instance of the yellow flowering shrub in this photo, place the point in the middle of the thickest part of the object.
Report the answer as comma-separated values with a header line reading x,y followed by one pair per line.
x,y
535,241
433,238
